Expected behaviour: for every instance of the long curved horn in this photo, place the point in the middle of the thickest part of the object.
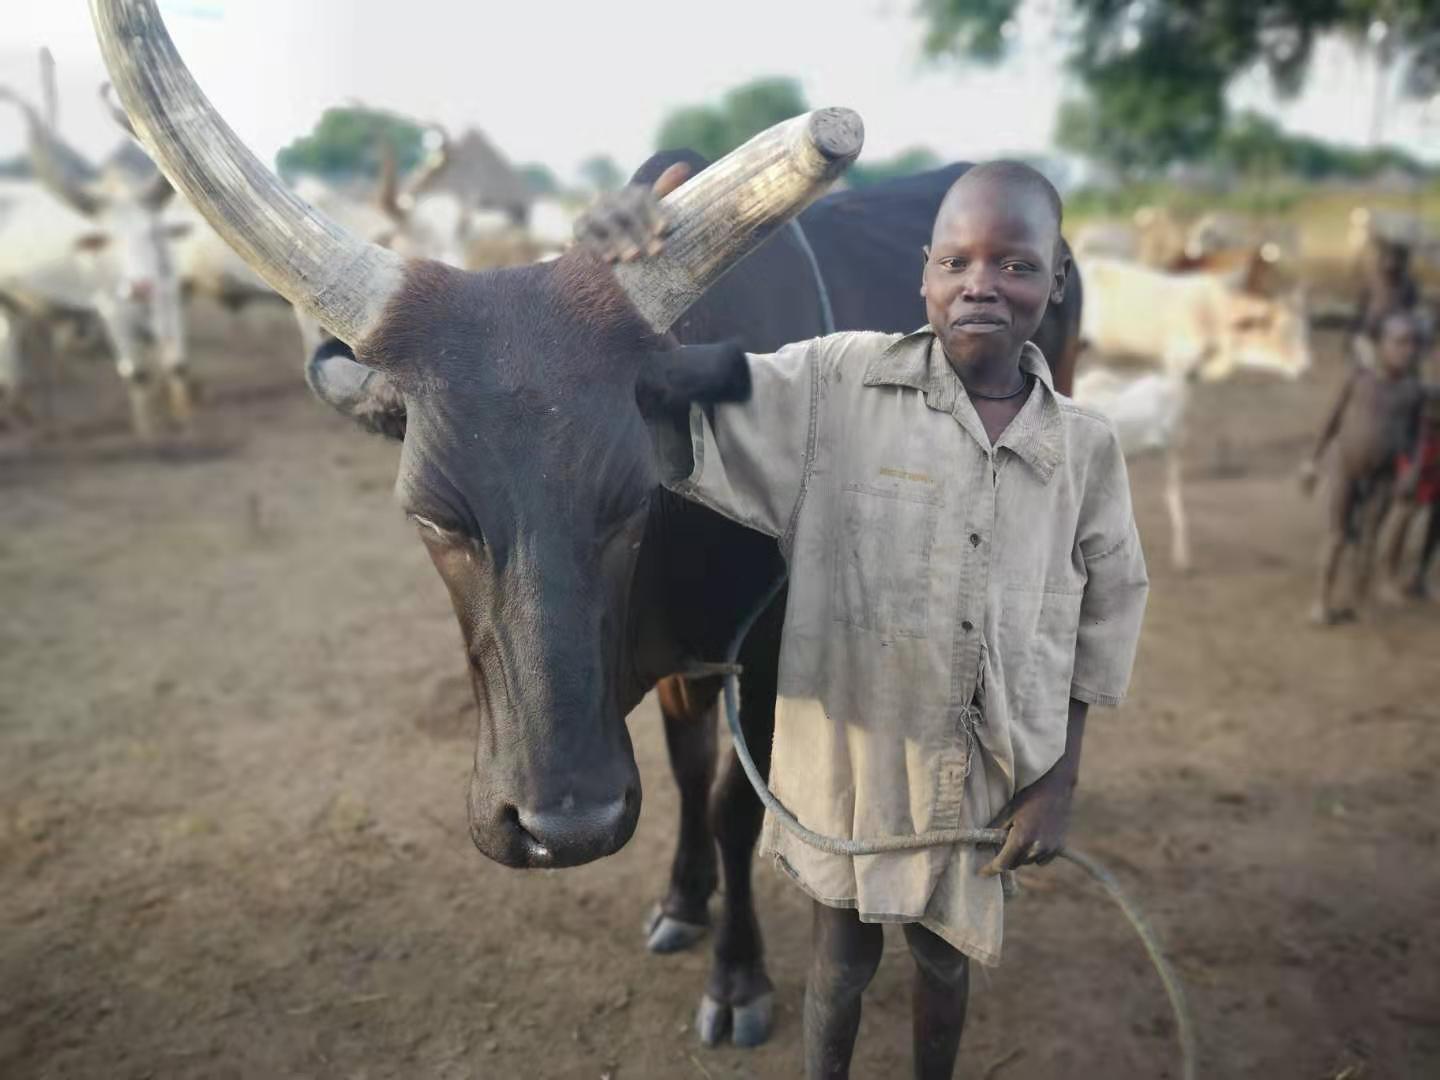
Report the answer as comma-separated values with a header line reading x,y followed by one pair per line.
x,y
722,214
342,281
49,95
118,114
57,165
428,169
158,190
388,194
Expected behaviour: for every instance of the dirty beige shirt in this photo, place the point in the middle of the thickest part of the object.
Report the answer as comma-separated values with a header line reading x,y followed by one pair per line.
x,y
947,599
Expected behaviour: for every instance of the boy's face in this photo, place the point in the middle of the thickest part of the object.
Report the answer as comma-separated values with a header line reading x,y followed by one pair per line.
x,y
993,265
1399,346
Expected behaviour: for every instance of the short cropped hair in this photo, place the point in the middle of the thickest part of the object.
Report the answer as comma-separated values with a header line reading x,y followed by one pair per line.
x,y
1016,174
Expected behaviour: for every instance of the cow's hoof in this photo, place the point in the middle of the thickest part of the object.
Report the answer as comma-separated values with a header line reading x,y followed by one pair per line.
x,y
747,1026
750,1024
712,1021
665,934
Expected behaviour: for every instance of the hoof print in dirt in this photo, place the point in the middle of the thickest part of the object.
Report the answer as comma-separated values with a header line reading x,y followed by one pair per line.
x,y
746,1025
665,934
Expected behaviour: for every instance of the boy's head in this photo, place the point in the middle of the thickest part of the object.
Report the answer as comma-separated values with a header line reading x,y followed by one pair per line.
x,y
995,261
1398,349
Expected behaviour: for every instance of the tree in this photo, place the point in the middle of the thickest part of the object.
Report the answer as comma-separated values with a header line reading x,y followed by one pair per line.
x,y
747,110
539,179
347,143
906,163
1154,72
601,173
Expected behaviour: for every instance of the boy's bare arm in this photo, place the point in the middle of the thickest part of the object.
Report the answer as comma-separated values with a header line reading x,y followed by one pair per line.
x,y
1038,817
1327,433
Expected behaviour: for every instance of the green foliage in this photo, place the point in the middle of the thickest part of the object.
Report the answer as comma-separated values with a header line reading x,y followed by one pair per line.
x,y
906,163
1154,72
601,173
1253,145
539,179
715,130
347,143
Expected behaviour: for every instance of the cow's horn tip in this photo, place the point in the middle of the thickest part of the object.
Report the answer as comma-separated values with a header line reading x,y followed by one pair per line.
x,y
837,134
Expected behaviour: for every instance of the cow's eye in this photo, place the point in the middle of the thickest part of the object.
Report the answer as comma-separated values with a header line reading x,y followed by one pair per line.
x,y
434,530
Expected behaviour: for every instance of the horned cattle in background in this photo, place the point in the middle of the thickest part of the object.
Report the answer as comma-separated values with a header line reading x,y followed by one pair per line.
x,y
1183,328
462,205
94,239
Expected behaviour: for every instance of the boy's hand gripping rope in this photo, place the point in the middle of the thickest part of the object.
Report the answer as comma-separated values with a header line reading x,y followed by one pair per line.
x,y
730,668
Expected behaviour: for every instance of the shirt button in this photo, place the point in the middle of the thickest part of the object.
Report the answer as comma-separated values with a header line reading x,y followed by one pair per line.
x,y
967,626
974,539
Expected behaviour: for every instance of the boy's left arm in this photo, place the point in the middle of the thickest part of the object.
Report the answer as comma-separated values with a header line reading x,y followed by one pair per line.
x,y
1038,817
1111,612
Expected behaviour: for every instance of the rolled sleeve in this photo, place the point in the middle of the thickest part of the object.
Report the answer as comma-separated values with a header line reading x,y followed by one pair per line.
x,y
1116,584
750,460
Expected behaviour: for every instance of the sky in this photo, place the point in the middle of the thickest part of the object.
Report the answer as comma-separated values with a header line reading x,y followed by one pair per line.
x,y
558,80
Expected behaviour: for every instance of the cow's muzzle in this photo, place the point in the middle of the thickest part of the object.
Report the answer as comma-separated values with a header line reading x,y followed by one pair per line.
x,y
576,829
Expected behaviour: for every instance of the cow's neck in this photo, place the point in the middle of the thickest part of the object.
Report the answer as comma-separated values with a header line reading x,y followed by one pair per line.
x,y
698,575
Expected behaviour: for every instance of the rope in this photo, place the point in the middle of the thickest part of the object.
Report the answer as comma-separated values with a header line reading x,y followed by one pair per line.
x,y
1184,1024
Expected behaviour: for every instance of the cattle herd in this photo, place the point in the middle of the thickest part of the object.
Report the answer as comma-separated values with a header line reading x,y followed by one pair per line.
x,y
437,269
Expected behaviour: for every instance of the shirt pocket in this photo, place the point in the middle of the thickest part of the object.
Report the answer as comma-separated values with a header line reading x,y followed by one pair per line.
x,y
882,560
1038,628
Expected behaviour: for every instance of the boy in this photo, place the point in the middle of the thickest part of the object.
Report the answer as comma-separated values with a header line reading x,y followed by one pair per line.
x,y
1373,422
1417,491
965,581
1387,286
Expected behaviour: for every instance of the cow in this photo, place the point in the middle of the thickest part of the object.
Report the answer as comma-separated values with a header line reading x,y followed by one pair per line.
x,y
85,239
1181,328
528,400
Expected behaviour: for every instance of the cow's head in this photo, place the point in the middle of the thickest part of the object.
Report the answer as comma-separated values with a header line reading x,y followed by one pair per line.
x,y
127,247
526,464
1269,334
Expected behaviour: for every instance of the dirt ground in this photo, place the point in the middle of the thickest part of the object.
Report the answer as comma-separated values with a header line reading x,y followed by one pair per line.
x,y
233,754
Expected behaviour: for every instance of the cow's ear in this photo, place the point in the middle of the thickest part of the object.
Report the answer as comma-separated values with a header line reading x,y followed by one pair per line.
x,y
365,395
672,380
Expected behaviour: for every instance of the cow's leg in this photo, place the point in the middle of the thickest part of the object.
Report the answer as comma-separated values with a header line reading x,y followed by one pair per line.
x,y
739,995
1175,504
129,354
689,710
940,993
169,335
844,956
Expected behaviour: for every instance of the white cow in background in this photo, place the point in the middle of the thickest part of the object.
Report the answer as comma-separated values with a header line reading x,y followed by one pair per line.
x,y
86,239
1181,328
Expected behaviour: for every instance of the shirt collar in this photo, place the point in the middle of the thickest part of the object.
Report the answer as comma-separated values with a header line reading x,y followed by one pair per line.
x,y
917,360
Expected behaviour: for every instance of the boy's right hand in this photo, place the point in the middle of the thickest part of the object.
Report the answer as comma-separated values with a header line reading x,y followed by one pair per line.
x,y
629,223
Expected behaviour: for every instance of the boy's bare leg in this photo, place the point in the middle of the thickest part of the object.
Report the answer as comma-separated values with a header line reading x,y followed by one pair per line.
x,y
845,955
1331,552
941,992
1372,517
1417,586
1340,499
1392,548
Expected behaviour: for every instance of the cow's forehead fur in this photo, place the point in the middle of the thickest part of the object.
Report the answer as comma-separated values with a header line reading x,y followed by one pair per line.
x,y
520,392
565,317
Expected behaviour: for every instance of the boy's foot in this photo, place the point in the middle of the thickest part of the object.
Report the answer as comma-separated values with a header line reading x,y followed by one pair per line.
x,y
1391,594
1323,616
